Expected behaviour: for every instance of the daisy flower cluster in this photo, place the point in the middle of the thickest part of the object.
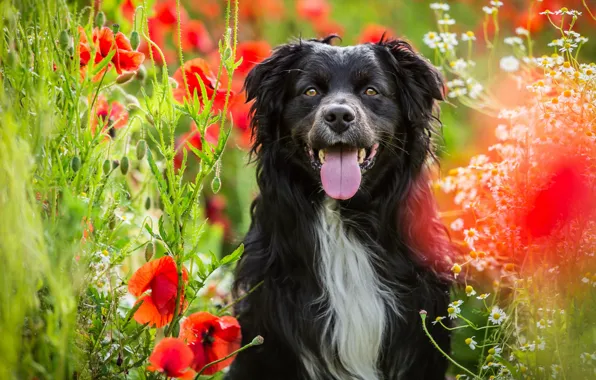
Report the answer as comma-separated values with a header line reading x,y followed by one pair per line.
x,y
524,214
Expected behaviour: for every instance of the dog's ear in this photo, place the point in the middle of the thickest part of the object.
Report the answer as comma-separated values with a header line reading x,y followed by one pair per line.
x,y
267,84
420,84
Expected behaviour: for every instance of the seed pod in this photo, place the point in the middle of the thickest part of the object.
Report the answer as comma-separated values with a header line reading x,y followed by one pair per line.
x,y
147,203
115,164
115,28
75,164
100,19
135,40
124,165
70,51
107,166
216,184
149,252
141,149
64,40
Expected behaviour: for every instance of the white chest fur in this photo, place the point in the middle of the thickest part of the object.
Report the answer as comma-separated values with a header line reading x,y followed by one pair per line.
x,y
356,317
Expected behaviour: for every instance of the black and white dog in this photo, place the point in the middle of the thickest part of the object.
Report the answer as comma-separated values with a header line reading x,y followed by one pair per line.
x,y
344,235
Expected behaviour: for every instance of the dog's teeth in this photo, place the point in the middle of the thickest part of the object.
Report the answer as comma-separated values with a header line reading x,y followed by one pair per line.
x,y
361,155
322,156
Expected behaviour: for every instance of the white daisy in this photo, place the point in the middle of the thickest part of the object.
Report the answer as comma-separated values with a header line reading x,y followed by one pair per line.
x,y
471,342
497,315
509,64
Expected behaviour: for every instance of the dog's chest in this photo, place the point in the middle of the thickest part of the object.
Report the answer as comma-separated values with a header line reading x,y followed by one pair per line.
x,y
355,318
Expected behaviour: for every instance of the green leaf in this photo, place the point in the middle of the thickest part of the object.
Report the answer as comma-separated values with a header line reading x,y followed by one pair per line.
x,y
234,256
103,63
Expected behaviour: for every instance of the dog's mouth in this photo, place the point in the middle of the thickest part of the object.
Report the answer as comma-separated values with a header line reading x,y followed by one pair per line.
x,y
341,167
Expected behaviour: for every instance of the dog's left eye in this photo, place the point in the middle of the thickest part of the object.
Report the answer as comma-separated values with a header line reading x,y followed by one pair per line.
x,y
371,92
311,92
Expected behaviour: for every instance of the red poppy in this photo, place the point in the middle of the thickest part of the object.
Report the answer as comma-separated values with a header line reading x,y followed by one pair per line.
x,y
193,70
165,13
313,10
211,338
172,357
161,277
196,36
373,33
193,138
208,8
110,116
255,9
125,59
157,35
215,211
252,52
127,8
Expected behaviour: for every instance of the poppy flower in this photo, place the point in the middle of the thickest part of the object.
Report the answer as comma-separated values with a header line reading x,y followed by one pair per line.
x,y
252,52
193,70
157,35
373,33
208,8
127,9
255,9
195,36
211,338
172,357
313,10
125,59
110,116
193,138
161,277
165,13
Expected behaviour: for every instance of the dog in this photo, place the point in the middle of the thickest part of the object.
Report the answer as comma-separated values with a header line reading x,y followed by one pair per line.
x,y
345,247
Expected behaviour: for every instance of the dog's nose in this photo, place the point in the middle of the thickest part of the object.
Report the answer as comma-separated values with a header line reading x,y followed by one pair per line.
x,y
339,117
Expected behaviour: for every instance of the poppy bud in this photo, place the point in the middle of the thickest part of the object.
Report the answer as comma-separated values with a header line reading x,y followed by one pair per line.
x,y
132,102
115,28
257,341
141,149
107,166
125,77
141,73
147,203
135,40
115,164
216,184
64,40
100,19
148,252
70,51
173,82
75,164
124,165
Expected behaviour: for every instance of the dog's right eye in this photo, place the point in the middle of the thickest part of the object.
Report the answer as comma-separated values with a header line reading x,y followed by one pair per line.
x,y
311,92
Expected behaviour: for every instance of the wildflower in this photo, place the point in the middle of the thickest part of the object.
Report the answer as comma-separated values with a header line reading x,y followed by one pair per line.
x,y
197,69
457,224
497,315
195,36
456,269
431,39
468,36
437,320
521,31
165,14
252,52
446,20
509,64
172,357
210,338
125,58
161,277
110,116
373,33
470,236
570,12
541,324
496,4
439,6
470,291
483,296
513,41
489,10
471,342
454,309
313,10
193,138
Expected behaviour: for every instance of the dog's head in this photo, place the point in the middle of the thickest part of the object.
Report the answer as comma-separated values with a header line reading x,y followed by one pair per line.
x,y
341,113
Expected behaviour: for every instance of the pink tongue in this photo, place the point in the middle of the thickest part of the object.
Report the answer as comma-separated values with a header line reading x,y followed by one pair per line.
x,y
340,174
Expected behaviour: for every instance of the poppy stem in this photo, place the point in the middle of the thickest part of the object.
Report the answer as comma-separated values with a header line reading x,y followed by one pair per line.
x,y
225,308
257,341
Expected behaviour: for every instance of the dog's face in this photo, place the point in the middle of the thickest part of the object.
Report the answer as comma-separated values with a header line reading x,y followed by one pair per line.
x,y
342,110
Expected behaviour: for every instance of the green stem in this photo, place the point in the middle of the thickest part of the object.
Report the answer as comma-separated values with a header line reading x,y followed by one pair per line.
x,y
255,342
432,340
224,309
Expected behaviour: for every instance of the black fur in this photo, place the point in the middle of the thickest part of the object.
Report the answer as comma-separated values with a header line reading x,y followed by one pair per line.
x,y
393,213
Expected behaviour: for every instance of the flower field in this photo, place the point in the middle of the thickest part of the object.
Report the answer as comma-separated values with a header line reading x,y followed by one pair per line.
x,y
125,181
